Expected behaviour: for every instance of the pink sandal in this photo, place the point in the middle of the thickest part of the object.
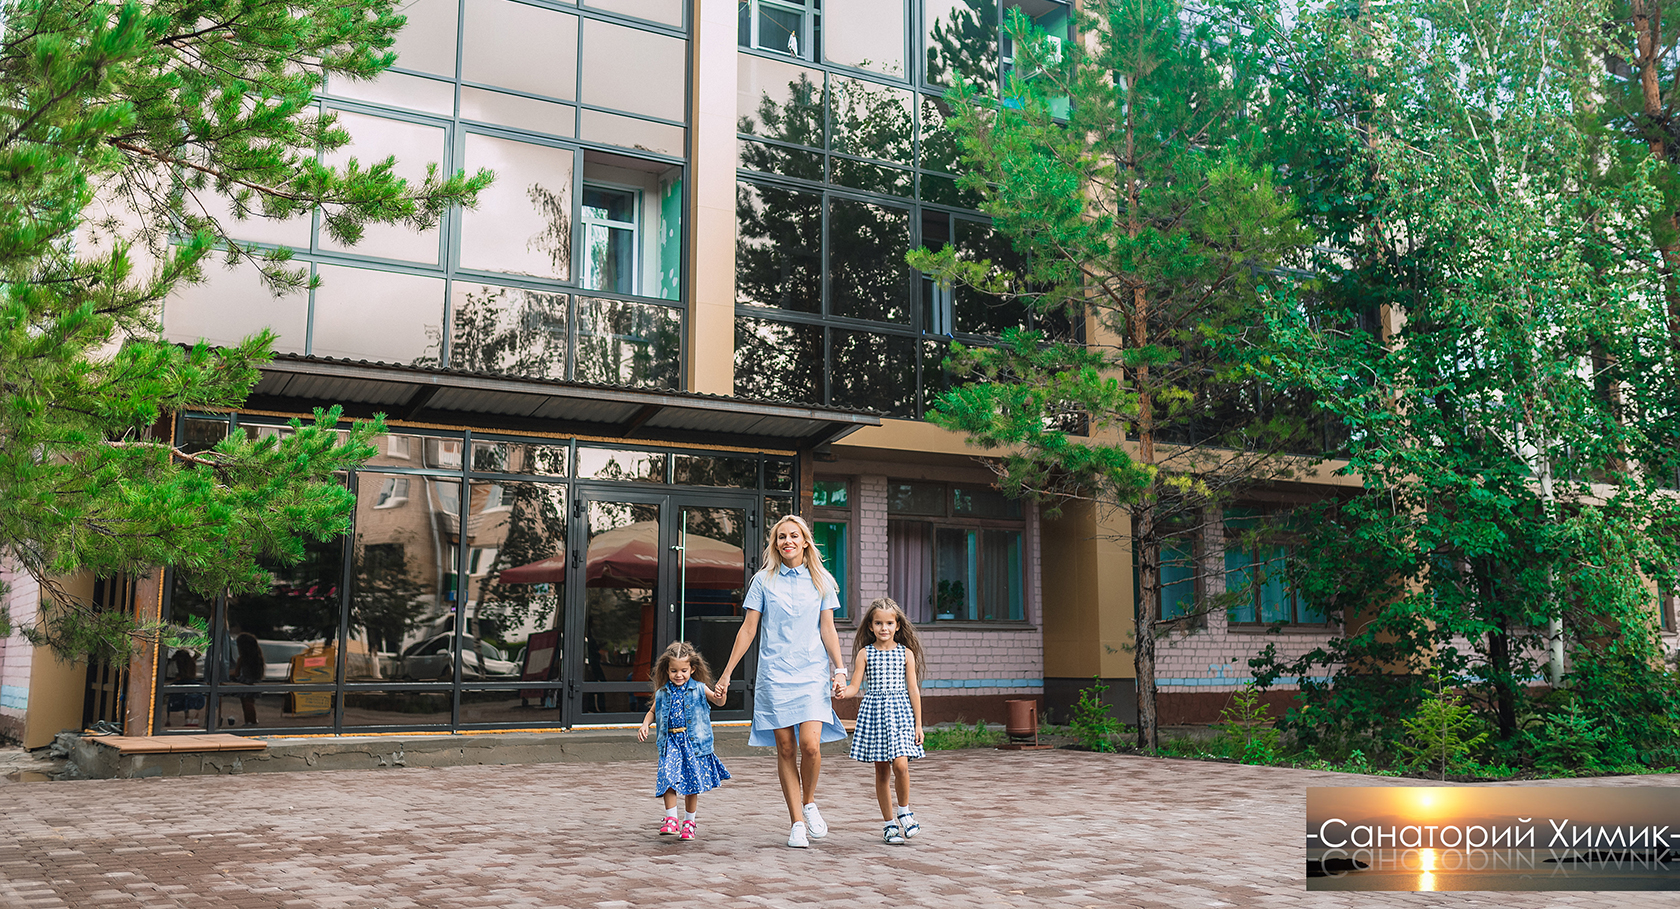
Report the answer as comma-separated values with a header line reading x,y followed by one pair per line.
x,y
687,830
669,828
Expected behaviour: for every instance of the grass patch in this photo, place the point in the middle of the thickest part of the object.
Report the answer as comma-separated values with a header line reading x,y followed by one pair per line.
x,y
956,736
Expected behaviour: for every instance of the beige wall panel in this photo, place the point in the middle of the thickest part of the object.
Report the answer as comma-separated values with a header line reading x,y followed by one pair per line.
x,y
56,687
711,348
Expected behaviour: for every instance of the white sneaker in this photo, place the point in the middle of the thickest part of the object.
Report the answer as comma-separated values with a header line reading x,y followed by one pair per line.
x,y
814,821
796,837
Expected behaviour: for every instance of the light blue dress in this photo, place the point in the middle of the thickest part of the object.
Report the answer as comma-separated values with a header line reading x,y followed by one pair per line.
x,y
795,678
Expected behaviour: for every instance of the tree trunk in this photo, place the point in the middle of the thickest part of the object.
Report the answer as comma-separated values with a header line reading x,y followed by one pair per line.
x,y
1143,513
1647,26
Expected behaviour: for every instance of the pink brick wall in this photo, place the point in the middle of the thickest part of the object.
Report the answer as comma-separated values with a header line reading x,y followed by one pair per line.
x,y
22,599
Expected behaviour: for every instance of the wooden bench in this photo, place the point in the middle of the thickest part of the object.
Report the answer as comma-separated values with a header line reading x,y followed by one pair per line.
x,y
170,744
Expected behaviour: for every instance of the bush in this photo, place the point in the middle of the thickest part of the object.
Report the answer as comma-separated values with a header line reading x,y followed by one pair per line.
x,y
951,738
1440,736
1091,724
1245,731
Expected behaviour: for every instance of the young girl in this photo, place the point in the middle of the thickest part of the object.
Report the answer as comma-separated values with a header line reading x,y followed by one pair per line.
x,y
889,721
682,712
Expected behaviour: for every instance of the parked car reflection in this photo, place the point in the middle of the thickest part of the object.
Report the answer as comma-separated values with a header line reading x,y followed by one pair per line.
x,y
277,658
433,658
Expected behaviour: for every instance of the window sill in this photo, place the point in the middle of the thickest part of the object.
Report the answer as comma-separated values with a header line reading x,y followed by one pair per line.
x,y
955,625
1251,628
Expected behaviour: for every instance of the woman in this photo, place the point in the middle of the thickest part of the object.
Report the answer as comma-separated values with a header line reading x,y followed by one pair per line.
x,y
799,667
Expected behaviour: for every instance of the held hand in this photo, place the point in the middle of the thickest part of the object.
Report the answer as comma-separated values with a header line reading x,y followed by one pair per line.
x,y
721,689
840,687
642,733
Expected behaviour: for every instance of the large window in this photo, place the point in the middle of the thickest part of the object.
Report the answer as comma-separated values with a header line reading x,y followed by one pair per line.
x,y
791,27
955,553
1258,550
831,526
569,266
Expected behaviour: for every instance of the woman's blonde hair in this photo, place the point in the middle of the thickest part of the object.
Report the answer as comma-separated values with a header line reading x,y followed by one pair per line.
x,y
681,650
905,635
820,578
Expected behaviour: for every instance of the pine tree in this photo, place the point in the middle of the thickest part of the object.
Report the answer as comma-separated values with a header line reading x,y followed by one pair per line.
x,y
118,121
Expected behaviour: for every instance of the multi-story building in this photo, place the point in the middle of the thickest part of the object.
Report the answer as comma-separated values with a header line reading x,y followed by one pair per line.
x,y
681,311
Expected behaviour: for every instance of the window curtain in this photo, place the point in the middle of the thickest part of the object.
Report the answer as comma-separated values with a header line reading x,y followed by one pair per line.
x,y
910,568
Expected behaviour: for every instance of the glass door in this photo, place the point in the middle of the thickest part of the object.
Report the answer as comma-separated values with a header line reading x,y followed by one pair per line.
x,y
715,551
622,619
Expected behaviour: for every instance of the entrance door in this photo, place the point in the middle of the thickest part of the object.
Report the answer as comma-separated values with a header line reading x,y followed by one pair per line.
x,y
653,565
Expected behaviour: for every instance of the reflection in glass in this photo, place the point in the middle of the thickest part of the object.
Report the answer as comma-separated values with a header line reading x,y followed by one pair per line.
x,y
983,502
516,577
201,433
871,121
873,178
397,708
630,132
779,100
520,458
403,565
980,313
294,627
523,222
868,34
778,361
867,274
669,12
615,464
713,580
778,473
373,140
778,25
830,539
777,159
525,48
201,311
638,345
622,564
609,239
939,144
532,707
961,39
635,71
916,498
955,581
874,372
508,330
405,313
182,698
778,243
433,96
518,111
426,41
714,470
946,191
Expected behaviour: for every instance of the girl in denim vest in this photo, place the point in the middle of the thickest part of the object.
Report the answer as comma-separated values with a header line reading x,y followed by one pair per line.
x,y
682,714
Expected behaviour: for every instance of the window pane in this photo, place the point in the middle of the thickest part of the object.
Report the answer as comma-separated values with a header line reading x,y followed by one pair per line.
x,y
402,572
523,222
669,12
632,70
201,433
633,344
519,457
829,494
939,144
525,48
778,473
873,178
778,245
868,278
612,464
868,34
517,531
629,132
1002,594
875,372
397,451
407,310
1178,580
778,361
830,540
515,110
427,40
670,235
202,310
955,593
781,30
872,121
414,145
714,470
945,191
980,313
508,330
916,498
398,90
961,40
609,240
979,502
1274,592
776,159
779,100
1239,576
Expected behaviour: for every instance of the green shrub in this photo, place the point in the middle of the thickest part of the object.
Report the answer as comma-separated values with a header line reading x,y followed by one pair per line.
x,y
1091,724
951,738
1245,731
1439,736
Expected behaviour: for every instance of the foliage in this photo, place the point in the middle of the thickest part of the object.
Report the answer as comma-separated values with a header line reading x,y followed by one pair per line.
x,y
1485,329
132,133
1123,169
1245,731
956,736
1091,723
1439,736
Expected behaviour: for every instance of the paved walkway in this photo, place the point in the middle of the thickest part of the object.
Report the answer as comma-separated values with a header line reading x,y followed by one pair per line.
x,y
1046,829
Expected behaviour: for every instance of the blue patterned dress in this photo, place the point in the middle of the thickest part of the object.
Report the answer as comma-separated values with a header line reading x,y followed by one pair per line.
x,y
681,765
886,723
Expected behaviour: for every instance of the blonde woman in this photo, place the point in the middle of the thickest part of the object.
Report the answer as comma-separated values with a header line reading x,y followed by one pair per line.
x,y
793,599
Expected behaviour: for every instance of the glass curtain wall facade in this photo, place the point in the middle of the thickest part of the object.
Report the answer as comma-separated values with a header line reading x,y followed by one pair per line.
x,y
446,606
570,267
845,164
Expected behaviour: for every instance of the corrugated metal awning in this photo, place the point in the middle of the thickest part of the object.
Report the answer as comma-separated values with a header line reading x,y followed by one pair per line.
x,y
294,383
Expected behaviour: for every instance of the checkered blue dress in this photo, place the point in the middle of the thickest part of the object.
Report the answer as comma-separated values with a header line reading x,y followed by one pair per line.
x,y
681,765
886,724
